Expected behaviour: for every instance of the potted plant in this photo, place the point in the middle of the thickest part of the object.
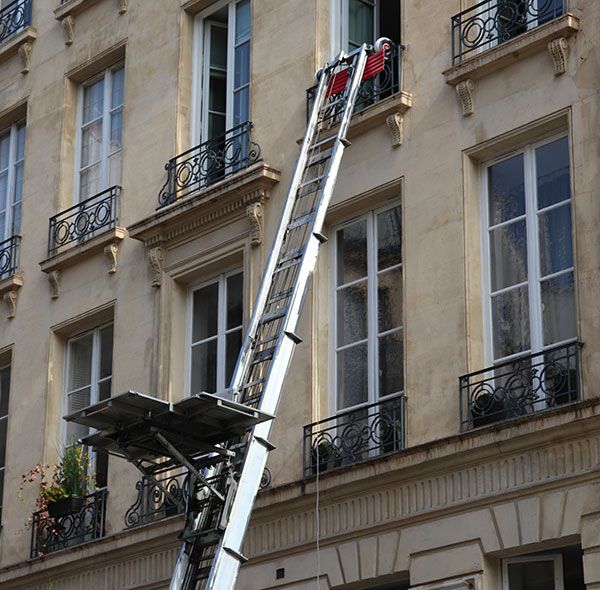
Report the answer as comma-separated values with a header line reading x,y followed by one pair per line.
x,y
64,485
325,455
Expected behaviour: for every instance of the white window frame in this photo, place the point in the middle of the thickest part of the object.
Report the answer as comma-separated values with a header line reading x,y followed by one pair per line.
x,y
339,25
222,330
372,312
12,131
94,380
555,558
200,66
107,111
533,256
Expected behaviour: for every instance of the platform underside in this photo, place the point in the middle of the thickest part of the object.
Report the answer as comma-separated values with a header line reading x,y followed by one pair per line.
x,y
129,424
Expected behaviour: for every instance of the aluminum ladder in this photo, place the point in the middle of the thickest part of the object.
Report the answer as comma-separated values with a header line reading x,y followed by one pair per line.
x,y
216,525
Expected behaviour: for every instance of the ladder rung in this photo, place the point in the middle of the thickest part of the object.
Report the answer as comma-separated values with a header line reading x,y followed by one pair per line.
x,y
266,341
204,538
254,383
323,141
287,266
273,315
293,255
300,221
312,181
263,355
281,295
320,157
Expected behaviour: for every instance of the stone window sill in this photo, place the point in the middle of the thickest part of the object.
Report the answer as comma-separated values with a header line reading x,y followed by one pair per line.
x,y
108,242
13,45
506,53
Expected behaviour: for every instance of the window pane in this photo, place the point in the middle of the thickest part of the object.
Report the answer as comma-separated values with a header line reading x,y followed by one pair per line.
x,y
80,362
510,317
3,428
20,142
3,190
242,21
218,91
4,150
361,16
389,238
235,304
558,308
89,182
389,299
553,179
352,314
3,236
204,367
556,245
116,128
18,182
91,144
535,575
4,391
241,108
391,366
242,65
101,469
16,222
506,187
508,254
205,312
233,345
216,128
79,400
218,47
93,101
118,87
352,252
352,376
104,389
114,169
106,351
75,432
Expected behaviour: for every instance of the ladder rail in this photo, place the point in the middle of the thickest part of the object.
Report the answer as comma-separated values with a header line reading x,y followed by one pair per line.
x,y
227,558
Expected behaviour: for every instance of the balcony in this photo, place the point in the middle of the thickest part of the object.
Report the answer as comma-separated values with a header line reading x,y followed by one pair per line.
x,y
372,108
53,534
14,17
492,22
9,257
208,163
521,387
354,436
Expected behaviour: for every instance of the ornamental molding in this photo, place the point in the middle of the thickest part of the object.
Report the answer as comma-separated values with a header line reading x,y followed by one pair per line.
x,y
559,52
54,280
465,90
387,503
254,212
25,55
68,25
123,6
156,257
111,251
9,288
394,123
10,300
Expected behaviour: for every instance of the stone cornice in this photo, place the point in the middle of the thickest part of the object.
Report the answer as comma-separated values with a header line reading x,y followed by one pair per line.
x,y
202,211
433,478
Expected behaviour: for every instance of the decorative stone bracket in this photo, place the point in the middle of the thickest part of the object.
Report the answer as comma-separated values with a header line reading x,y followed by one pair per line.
x,y
68,25
156,256
465,90
111,252
394,123
25,55
54,280
9,289
254,212
559,52
67,11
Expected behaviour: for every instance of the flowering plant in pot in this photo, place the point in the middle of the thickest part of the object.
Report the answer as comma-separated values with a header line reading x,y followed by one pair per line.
x,y
63,485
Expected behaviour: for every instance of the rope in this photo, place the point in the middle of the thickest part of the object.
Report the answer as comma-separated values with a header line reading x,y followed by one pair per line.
x,y
318,524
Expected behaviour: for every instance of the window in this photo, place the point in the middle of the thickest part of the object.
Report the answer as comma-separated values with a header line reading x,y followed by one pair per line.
x,y
4,392
514,17
12,155
530,272
363,21
88,381
216,332
100,129
367,326
224,38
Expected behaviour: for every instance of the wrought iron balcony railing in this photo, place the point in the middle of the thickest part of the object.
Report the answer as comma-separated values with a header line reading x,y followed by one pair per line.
x,y
9,256
355,435
85,220
87,524
208,163
14,17
491,22
384,84
520,387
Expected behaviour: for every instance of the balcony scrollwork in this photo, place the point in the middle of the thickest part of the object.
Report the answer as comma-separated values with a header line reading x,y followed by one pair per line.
x,y
9,256
14,17
520,387
209,162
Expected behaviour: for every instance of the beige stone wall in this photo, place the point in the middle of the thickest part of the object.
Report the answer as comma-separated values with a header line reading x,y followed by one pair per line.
x,y
434,174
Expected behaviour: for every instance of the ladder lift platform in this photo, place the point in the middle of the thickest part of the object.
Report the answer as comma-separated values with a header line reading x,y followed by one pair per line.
x,y
135,426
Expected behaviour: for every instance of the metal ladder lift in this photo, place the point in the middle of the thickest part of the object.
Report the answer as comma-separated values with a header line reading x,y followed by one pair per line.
x,y
222,443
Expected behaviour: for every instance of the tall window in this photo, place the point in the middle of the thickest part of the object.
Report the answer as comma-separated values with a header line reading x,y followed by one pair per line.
x,y
367,326
216,332
530,273
224,36
12,154
4,392
532,572
363,21
101,117
88,381
514,17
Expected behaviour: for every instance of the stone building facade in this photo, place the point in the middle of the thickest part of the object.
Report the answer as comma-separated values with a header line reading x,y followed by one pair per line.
x,y
439,426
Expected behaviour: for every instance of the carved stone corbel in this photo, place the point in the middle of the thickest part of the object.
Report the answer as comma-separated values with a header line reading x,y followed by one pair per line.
x,y
559,52
68,27
394,123
156,256
465,90
111,252
254,212
54,280
122,6
10,300
25,55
